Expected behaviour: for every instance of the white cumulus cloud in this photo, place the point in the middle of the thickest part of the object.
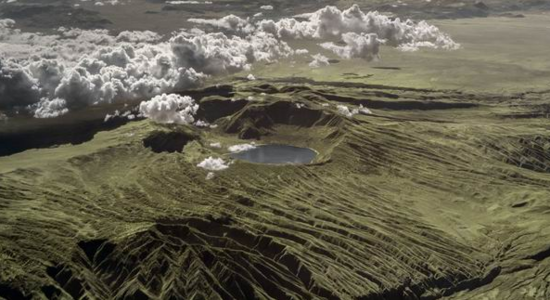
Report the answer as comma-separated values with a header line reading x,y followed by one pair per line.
x,y
51,108
319,60
365,46
364,110
180,2
344,110
213,164
169,109
241,147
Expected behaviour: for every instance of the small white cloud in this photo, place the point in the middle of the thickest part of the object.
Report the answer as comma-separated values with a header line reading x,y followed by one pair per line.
x,y
319,60
251,77
241,147
180,2
216,145
344,110
170,108
213,164
210,176
229,22
365,111
109,117
201,123
365,46
112,2
266,7
51,108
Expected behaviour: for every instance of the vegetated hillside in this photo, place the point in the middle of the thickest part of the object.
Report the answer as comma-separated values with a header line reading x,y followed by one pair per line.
x,y
437,194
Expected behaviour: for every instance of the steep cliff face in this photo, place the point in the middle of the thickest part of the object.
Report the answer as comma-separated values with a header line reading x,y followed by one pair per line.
x,y
435,194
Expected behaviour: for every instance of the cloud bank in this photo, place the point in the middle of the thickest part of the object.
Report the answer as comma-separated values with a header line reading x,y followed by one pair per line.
x,y
89,67
49,75
330,22
362,33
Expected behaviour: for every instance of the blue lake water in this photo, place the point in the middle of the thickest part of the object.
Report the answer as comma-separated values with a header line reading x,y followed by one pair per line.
x,y
277,154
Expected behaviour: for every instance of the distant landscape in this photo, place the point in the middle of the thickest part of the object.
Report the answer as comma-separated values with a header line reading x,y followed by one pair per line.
x,y
279,149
